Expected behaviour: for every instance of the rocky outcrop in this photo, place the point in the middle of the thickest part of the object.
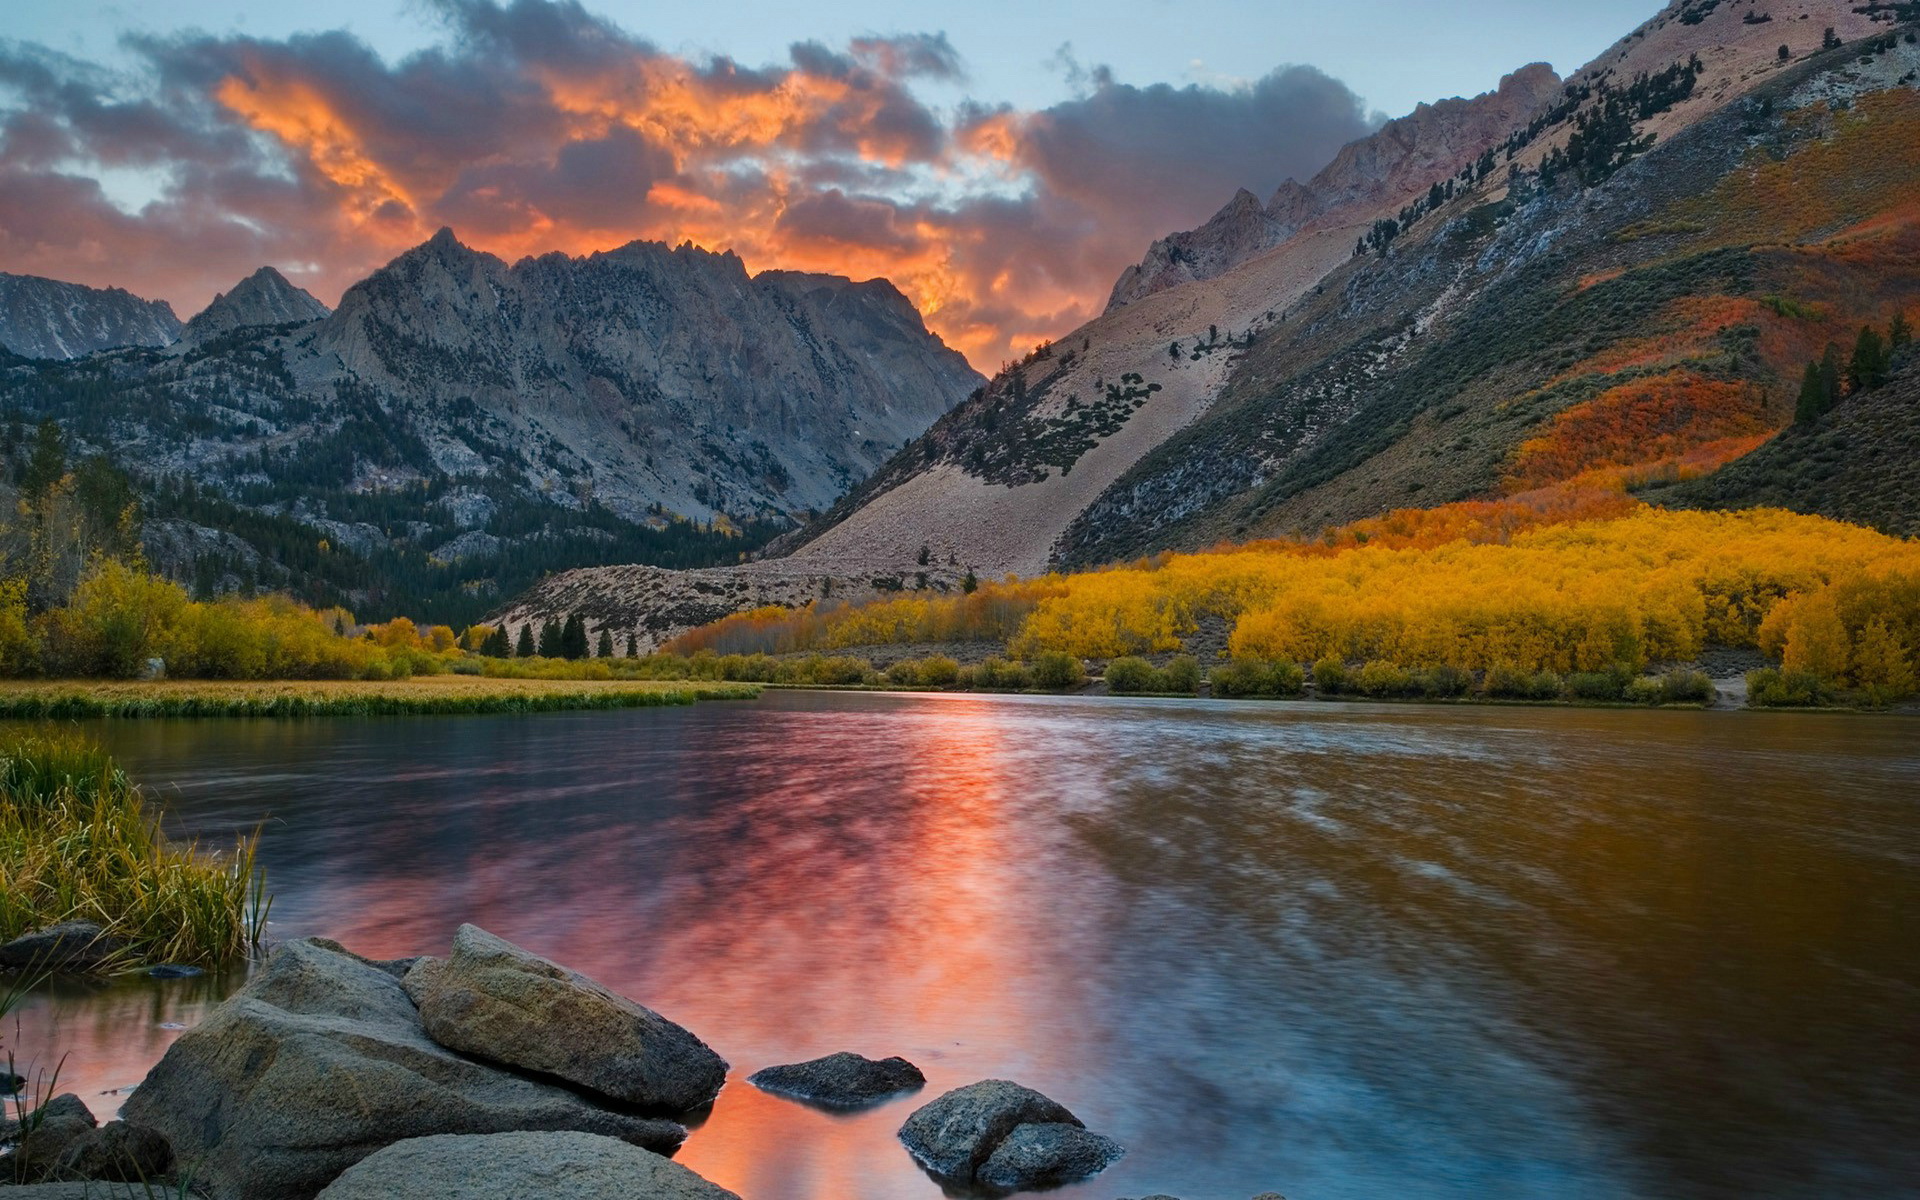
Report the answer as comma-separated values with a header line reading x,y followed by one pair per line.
x,y
491,999
45,318
68,946
264,298
1047,1155
1385,169
958,1135
515,1166
320,1060
842,1080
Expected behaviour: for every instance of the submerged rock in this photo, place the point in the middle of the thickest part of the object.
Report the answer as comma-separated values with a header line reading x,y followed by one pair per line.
x,y
119,1151
512,1166
955,1135
68,946
492,999
174,971
842,1080
1047,1155
319,1061
11,1084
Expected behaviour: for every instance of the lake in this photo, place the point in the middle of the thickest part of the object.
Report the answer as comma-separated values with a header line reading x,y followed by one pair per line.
x,y
1322,949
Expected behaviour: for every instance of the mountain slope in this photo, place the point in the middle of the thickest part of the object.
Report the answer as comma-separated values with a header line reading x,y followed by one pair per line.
x,y
262,298
460,426
45,318
1156,424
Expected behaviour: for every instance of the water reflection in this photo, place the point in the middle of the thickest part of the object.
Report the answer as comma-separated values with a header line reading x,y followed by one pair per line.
x,y
1326,950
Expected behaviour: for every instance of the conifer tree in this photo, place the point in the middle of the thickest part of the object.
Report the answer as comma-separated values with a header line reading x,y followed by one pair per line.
x,y
1868,367
525,649
573,637
1830,377
605,648
1899,334
1813,396
551,639
633,645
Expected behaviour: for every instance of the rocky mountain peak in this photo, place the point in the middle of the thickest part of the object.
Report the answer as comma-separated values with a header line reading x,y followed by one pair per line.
x,y
47,318
263,298
1401,159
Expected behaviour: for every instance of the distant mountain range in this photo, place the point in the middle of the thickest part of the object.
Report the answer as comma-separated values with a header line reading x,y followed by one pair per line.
x,y
460,425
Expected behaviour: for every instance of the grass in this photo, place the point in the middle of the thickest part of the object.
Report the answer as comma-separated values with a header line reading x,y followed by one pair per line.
x,y
78,842
423,695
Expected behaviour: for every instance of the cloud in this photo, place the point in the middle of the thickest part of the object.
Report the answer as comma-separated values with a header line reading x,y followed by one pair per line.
x,y
536,125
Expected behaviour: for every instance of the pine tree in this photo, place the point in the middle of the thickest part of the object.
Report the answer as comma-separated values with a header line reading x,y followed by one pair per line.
x,y
1868,367
633,645
573,637
1899,334
1830,377
1813,396
605,648
971,583
551,639
525,649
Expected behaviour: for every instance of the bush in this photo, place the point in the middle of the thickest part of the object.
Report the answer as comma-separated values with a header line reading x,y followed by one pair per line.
x,y
1183,674
1687,687
939,671
1769,688
1258,678
997,674
1600,686
1643,690
1330,676
1384,681
905,673
1444,682
1058,671
1127,676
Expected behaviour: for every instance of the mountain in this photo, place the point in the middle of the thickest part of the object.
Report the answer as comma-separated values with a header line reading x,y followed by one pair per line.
x,y
1395,165
261,299
1295,389
45,318
459,426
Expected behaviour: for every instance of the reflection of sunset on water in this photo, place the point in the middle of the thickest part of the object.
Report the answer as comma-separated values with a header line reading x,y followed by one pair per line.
x,y
1266,947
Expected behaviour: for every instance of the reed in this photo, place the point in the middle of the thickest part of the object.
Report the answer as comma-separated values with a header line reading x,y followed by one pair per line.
x,y
426,696
78,841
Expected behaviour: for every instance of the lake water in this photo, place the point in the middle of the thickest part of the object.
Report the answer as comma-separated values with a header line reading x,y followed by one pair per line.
x,y
1328,950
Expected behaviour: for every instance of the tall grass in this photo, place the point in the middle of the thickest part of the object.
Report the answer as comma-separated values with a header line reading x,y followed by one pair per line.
x,y
78,842
438,695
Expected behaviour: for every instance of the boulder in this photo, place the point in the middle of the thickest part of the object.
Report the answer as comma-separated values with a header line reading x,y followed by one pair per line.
x,y
64,1106
492,999
512,1166
118,1151
954,1135
46,1139
68,946
842,1080
1047,1155
319,1061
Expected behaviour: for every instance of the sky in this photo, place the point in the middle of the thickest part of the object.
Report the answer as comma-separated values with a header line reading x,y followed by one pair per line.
x,y
1000,162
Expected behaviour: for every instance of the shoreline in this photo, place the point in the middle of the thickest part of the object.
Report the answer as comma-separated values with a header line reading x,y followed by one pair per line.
x,y
427,695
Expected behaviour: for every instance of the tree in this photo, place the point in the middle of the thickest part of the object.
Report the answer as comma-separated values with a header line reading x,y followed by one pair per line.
x,y
605,648
1173,352
550,638
1829,41
1830,375
633,645
926,554
1785,54
971,583
1813,396
47,463
573,637
1899,334
525,648
1869,366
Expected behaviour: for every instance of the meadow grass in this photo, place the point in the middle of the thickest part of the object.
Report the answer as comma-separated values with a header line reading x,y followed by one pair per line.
x,y
424,695
78,842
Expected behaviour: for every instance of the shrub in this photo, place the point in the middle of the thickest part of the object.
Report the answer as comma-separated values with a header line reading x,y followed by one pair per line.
x,y
999,674
1444,682
905,673
1643,690
1687,687
1058,671
1330,676
1133,675
1384,680
1600,686
1183,674
1257,677
1770,688
939,671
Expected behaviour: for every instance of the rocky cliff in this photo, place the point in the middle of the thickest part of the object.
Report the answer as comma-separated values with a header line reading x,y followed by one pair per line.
x,y
45,318
1385,170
